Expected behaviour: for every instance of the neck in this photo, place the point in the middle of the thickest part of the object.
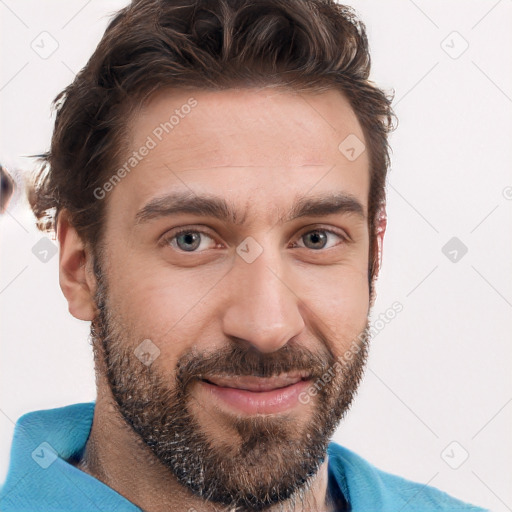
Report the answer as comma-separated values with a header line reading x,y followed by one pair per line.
x,y
116,456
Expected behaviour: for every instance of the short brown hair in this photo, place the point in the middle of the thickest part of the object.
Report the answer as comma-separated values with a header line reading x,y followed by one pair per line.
x,y
151,45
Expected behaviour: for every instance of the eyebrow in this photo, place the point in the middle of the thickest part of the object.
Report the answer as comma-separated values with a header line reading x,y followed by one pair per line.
x,y
217,207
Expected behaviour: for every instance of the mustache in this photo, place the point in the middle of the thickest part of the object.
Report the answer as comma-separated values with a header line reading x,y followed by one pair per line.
x,y
236,361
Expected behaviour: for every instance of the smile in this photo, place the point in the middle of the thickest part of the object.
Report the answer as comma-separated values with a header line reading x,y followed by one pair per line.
x,y
256,395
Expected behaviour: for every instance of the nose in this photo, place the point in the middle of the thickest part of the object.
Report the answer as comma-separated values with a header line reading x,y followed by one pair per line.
x,y
263,308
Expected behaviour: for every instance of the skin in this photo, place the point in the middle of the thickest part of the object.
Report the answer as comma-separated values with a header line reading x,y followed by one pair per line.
x,y
259,150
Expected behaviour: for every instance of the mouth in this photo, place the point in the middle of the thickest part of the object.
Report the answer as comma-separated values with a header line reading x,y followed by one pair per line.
x,y
255,395
258,384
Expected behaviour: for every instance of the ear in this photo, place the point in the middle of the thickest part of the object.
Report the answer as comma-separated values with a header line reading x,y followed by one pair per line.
x,y
76,276
378,248
381,230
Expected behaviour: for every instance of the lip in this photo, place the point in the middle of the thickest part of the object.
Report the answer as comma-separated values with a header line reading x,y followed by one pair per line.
x,y
251,383
256,395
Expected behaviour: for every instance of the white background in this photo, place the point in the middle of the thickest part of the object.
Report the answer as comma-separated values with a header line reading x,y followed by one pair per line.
x,y
440,371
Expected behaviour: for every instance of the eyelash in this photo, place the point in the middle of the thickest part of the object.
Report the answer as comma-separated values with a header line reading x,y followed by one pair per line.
x,y
167,239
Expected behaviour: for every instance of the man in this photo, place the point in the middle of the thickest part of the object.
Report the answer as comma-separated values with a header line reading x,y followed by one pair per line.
x,y
217,179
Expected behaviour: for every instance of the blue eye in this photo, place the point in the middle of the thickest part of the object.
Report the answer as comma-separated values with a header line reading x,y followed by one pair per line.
x,y
192,240
189,240
318,239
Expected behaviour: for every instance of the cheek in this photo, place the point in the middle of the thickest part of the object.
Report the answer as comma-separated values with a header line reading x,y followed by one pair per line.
x,y
339,300
165,305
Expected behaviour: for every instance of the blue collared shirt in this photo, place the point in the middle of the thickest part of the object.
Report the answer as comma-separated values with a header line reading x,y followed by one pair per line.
x,y
40,478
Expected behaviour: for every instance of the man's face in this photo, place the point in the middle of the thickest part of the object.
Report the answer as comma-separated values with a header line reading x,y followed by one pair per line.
x,y
237,306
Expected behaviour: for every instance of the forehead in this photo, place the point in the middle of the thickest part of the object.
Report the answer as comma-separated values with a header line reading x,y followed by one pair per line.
x,y
262,146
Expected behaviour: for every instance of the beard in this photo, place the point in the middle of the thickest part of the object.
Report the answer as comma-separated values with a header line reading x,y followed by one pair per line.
x,y
258,461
